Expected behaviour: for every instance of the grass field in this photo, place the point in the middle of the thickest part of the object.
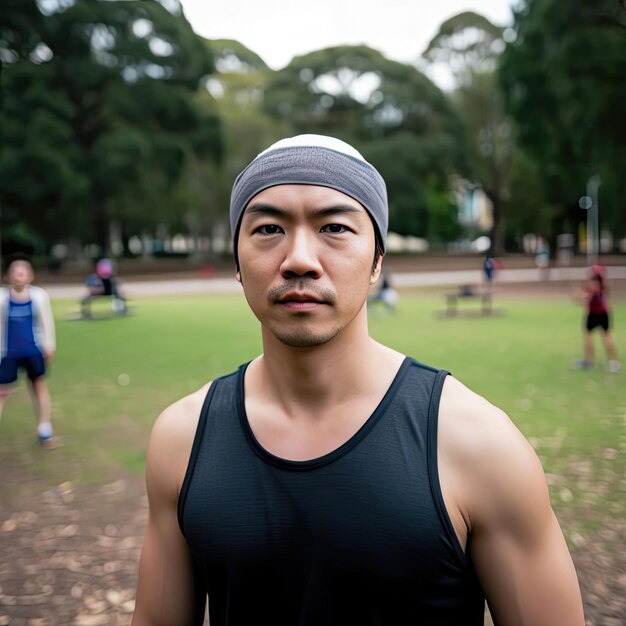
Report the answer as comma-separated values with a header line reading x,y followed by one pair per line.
x,y
112,377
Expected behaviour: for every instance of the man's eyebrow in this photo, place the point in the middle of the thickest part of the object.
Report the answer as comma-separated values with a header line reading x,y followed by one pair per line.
x,y
336,209
267,209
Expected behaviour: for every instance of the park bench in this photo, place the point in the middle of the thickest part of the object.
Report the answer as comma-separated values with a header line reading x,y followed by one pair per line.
x,y
118,307
467,293
102,289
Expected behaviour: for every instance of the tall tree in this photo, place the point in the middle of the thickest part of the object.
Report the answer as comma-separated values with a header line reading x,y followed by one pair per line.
x,y
390,111
564,82
235,93
470,44
490,145
467,43
115,81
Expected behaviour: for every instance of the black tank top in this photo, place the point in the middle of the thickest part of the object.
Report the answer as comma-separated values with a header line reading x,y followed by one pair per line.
x,y
359,536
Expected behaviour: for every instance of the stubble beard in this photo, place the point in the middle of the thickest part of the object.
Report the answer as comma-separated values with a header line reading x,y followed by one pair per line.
x,y
303,337
301,334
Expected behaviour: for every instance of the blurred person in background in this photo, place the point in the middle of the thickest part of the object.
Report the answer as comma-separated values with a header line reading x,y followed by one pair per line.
x,y
489,269
102,283
594,296
27,341
542,261
386,294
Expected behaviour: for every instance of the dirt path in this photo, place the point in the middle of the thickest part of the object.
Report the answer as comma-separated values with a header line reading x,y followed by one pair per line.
x,y
69,555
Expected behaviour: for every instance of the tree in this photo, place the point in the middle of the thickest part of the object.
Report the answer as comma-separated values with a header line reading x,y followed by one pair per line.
x,y
39,161
390,111
466,43
112,85
232,57
563,77
471,44
235,94
490,145
21,25
526,207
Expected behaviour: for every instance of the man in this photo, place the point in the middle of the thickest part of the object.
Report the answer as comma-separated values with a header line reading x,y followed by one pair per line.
x,y
27,341
333,480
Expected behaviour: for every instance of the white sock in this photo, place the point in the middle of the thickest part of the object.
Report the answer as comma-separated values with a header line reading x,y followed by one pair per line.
x,y
45,430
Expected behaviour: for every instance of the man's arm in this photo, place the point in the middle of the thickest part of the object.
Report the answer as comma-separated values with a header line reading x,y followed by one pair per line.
x,y
166,589
517,546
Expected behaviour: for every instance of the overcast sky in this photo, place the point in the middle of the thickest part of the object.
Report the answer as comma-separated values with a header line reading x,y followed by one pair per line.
x,y
278,30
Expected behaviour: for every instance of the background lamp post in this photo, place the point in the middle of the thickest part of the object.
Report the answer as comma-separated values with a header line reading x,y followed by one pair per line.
x,y
590,204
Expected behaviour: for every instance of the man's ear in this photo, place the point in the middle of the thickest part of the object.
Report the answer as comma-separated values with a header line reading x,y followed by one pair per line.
x,y
376,270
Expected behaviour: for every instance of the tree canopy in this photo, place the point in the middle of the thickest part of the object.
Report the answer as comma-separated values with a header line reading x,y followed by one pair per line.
x,y
390,111
563,77
116,116
466,42
470,45
98,108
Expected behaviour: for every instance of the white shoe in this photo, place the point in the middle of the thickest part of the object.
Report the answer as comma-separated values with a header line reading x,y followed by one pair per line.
x,y
614,366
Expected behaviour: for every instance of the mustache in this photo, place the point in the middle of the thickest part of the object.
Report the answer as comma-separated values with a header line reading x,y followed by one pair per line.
x,y
277,292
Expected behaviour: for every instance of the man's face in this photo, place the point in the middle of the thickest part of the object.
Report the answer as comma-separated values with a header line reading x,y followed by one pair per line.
x,y
20,274
305,259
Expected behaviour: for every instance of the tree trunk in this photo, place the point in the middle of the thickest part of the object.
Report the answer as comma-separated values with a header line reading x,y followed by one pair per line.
x,y
101,229
498,246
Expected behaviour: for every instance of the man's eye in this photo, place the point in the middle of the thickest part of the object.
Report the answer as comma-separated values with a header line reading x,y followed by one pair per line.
x,y
334,228
268,229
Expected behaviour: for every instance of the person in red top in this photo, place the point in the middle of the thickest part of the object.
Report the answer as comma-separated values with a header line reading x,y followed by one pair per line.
x,y
597,316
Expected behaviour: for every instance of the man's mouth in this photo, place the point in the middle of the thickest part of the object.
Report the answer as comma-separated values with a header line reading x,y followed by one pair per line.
x,y
300,301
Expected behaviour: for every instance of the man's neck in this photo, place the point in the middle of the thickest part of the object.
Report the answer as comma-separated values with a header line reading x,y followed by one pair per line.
x,y
311,379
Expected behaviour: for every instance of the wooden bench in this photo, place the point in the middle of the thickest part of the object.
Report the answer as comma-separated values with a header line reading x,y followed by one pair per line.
x,y
117,304
468,293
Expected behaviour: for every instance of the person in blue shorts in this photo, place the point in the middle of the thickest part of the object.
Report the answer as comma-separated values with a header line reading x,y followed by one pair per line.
x,y
27,341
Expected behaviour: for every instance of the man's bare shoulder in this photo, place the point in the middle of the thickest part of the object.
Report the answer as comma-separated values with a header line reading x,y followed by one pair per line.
x,y
181,416
472,423
488,454
172,437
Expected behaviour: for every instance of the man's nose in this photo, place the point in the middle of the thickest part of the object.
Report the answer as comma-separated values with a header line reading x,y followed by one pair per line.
x,y
301,256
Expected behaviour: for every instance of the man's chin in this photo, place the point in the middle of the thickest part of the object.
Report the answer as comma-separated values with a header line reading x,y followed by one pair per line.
x,y
305,338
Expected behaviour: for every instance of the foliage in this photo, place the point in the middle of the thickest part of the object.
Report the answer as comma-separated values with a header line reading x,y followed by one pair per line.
x,y
466,43
354,91
490,144
470,44
41,166
113,114
235,95
526,208
564,82
233,57
109,112
390,111
443,222
411,166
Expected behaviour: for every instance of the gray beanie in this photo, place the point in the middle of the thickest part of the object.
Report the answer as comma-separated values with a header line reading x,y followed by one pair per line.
x,y
312,160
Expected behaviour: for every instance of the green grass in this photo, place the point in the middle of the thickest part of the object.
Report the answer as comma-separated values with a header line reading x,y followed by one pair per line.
x,y
112,377
522,362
